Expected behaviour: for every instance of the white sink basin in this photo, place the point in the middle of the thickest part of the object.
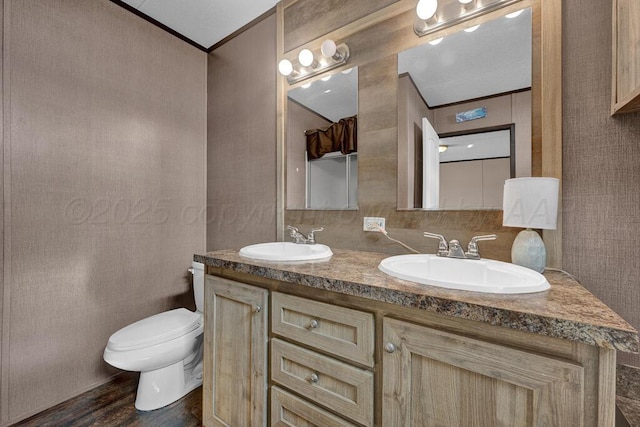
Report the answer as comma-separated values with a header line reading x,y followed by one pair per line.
x,y
484,275
286,251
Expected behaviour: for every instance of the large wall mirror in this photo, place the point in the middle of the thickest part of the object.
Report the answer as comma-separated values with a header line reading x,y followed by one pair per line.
x,y
464,115
322,163
387,164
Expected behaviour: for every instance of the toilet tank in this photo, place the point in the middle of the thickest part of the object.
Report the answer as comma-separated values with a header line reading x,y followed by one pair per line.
x,y
198,285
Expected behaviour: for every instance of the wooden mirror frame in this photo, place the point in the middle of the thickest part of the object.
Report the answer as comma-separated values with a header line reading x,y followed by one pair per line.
x,y
375,38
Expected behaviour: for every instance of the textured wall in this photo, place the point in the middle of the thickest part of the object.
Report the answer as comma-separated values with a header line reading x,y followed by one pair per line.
x,y
241,157
104,141
601,168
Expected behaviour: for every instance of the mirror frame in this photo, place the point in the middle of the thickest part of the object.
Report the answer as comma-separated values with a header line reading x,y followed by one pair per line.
x,y
374,41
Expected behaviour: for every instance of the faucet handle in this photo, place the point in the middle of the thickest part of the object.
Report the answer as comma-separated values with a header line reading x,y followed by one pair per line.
x,y
311,238
443,246
295,234
472,249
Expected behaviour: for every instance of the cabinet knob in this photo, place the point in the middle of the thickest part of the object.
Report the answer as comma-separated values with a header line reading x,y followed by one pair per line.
x,y
313,324
257,309
389,347
314,378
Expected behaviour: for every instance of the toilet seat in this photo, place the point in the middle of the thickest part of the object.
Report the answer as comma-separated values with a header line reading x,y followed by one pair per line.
x,y
156,329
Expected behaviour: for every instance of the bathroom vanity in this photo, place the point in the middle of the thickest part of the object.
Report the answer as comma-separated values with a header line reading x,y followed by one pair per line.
x,y
339,343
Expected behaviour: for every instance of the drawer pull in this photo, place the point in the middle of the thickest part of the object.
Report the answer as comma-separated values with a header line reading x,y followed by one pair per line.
x,y
257,309
389,347
314,378
313,324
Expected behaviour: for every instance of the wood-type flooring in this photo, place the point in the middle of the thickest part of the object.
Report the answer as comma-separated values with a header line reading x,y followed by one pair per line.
x,y
112,404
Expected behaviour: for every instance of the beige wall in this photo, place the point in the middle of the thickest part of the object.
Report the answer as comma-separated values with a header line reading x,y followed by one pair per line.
x,y
601,168
104,144
241,158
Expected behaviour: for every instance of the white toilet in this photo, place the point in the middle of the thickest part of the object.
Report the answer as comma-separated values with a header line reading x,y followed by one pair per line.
x,y
166,348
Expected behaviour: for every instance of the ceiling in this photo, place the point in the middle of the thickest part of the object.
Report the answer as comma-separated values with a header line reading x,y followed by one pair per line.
x,y
493,59
202,22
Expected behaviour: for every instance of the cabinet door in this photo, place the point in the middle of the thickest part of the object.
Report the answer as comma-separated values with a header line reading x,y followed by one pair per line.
x,y
434,378
235,356
626,56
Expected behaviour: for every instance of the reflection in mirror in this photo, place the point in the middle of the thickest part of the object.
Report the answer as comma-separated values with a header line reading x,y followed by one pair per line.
x,y
456,98
321,147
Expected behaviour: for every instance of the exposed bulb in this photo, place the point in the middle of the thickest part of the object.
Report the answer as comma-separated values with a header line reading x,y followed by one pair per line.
x,y
426,9
514,14
305,57
465,2
285,67
328,48
471,29
436,41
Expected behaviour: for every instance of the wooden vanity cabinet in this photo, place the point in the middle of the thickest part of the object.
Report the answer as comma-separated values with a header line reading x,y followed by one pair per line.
x,y
435,378
235,358
348,361
626,56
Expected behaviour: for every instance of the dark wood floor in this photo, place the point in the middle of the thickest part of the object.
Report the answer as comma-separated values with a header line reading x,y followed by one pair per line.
x,y
112,405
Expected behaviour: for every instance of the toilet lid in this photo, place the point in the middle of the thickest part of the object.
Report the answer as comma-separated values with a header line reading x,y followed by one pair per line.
x,y
156,329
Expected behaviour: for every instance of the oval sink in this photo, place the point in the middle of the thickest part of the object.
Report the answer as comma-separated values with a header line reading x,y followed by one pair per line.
x,y
286,251
484,275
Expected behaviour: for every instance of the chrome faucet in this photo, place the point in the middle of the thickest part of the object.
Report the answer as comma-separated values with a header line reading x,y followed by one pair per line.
x,y
298,237
453,249
472,249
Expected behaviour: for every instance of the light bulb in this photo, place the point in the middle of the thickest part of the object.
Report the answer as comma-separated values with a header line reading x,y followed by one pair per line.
x,y
436,41
285,67
514,14
466,1
328,48
305,57
472,29
426,9
347,71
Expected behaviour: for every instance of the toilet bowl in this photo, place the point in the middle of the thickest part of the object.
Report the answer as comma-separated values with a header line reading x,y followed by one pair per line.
x,y
165,348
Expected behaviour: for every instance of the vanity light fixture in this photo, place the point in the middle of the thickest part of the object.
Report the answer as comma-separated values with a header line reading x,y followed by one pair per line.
x,y
306,59
432,16
285,67
310,62
467,4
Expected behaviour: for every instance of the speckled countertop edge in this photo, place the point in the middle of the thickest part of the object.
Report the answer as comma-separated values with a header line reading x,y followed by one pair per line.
x,y
566,311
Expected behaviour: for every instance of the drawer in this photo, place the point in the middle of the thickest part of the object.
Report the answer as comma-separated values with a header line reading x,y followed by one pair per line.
x,y
290,410
337,385
337,330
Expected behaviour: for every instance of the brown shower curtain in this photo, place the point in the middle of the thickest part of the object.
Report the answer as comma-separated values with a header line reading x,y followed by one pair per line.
x,y
341,136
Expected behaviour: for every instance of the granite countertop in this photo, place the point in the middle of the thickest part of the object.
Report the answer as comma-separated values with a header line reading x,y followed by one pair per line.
x,y
566,311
